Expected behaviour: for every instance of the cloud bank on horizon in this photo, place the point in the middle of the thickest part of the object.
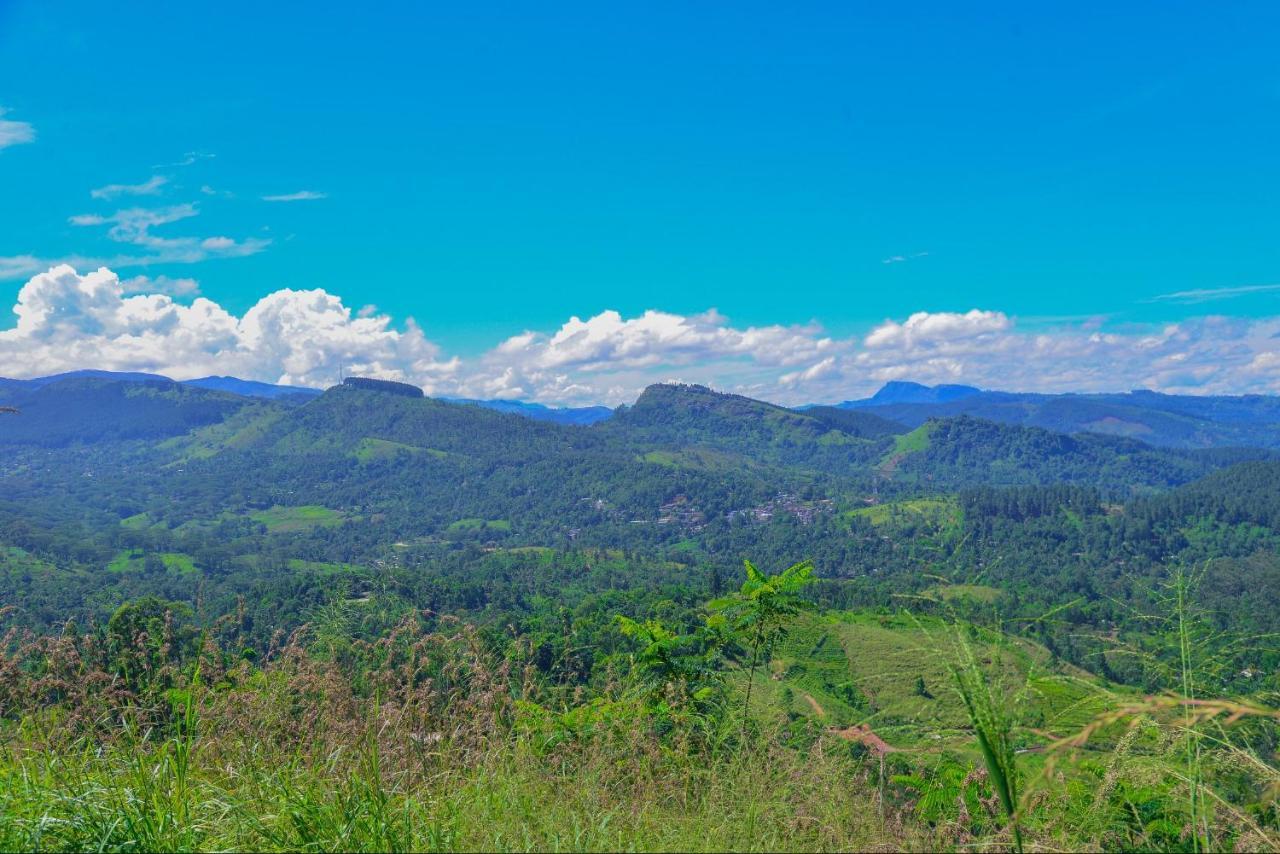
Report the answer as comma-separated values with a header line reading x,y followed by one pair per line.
x,y
67,320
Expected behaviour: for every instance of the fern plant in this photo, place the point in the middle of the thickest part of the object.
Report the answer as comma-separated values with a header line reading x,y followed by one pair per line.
x,y
760,612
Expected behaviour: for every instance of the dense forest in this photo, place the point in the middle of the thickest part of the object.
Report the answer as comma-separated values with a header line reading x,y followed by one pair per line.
x,y
280,535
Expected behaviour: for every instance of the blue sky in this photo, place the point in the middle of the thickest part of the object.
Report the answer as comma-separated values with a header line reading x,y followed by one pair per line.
x,y
490,170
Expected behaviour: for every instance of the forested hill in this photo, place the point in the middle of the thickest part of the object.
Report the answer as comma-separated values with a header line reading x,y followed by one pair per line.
x,y
117,489
89,410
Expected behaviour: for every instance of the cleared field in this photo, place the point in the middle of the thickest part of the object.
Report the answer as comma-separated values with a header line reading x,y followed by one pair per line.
x,y
286,519
134,560
973,592
943,511
371,449
892,673
479,525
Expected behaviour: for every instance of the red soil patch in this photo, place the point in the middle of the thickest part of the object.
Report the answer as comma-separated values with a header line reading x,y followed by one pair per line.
x,y
863,734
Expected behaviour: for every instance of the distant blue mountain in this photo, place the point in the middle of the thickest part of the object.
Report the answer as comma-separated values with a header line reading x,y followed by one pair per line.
x,y
232,385
116,376
1183,421
252,388
538,412
908,392
297,394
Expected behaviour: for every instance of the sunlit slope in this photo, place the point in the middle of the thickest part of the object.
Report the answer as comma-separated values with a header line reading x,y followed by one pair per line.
x,y
890,675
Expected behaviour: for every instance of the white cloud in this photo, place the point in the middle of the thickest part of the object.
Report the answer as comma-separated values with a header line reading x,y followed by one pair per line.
x,y
133,226
66,320
17,266
150,187
300,196
898,259
14,133
822,370
188,159
1207,294
924,329
161,285
607,341
1201,355
608,358
300,337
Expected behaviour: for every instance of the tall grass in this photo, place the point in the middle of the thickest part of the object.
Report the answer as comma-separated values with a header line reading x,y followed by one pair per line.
x,y
415,742
433,741
988,708
1185,770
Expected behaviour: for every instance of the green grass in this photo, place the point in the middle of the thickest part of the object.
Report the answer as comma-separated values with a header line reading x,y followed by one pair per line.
x,y
322,567
134,560
511,801
425,746
478,525
243,429
941,513
16,562
370,449
178,563
706,459
972,592
915,441
126,561
880,658
280,519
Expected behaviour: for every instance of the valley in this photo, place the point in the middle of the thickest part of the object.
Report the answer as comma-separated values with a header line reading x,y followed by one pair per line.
x,y
956,555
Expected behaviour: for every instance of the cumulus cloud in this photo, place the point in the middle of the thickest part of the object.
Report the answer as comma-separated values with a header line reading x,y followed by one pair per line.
x,y
608,358
161,285
297,337
1201,355
150,187
927,330
607,341
13,132
66,320
300,196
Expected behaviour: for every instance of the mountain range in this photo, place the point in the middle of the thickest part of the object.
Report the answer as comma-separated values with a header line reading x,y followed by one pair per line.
x,y
270,498
1162,420
1177,421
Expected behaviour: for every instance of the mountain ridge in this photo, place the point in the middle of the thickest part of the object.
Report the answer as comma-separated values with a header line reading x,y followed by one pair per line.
x,y
1162,420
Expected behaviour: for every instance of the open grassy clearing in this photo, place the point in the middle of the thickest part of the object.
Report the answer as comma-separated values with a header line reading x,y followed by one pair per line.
x,y
971,592
290,519
479,525
942,513
370,449
134,560
892,672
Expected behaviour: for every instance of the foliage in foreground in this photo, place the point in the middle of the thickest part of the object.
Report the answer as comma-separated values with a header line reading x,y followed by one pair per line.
x,y
147,736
